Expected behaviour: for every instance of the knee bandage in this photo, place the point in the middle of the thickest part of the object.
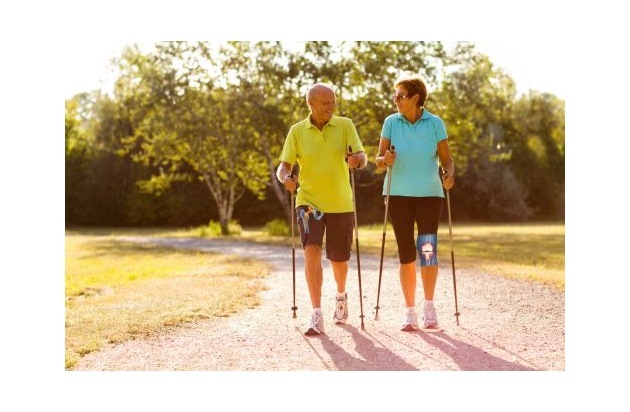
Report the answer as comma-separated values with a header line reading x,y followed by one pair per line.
x,y
427,249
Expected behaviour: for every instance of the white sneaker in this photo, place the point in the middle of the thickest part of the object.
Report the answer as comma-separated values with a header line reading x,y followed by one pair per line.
x,y
316,326
411,320
430,316
341,311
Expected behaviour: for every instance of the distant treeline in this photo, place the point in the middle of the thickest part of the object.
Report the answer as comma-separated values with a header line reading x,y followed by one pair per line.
x,y
191,131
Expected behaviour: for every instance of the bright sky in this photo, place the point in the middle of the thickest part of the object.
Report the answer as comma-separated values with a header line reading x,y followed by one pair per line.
x,y
532,65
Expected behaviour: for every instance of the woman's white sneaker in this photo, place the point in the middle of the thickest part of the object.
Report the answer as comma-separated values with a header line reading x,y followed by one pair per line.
x,y
411,320
430,316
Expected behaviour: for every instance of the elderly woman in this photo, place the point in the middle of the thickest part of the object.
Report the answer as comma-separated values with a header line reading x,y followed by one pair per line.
x,y
416,195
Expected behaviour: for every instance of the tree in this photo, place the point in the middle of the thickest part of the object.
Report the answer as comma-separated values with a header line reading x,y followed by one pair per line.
x,y
268,82
77,155
475,102
191,123
188,119
538,150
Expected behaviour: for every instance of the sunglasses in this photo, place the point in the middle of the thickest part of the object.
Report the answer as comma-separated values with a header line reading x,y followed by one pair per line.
x,y
399,97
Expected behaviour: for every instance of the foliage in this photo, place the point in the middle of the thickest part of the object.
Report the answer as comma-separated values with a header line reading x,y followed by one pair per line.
x,y
213,229
193,131
277,227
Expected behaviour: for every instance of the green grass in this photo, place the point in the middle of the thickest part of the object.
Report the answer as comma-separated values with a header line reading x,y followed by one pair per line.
x,y
117,290
533,251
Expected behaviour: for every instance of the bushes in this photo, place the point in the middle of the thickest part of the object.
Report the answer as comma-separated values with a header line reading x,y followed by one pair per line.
x,y
213,229
277,227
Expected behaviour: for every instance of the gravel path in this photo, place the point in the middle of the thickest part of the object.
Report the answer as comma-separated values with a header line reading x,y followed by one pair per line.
x,y
504,324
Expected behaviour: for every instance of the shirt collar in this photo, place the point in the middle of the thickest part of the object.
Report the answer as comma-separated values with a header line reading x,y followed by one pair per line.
x,y
331,122
425,115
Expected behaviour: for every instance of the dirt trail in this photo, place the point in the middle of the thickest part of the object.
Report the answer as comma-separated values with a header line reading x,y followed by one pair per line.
x,y
505,324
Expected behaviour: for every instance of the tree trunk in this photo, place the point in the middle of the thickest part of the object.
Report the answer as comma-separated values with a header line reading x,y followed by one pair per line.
x,y
278,188
225,204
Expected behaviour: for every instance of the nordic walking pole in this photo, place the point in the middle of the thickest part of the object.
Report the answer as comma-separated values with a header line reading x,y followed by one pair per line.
x,y
380,268
356,235
293,246
450,235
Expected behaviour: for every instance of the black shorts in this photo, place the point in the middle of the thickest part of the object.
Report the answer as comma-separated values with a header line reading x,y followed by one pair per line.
x,y
403,212
338,228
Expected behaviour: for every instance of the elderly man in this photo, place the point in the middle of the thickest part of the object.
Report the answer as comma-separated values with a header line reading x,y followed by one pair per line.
x,y
325,147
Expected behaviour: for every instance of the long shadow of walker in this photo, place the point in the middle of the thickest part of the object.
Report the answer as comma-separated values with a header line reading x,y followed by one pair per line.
x,y
379,358
374,358
466,356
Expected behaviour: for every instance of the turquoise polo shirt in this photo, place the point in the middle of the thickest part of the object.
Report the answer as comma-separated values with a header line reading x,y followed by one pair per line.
x,y
324,179
416,170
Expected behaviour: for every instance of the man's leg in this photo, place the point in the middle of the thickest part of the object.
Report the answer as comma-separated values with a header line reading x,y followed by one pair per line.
x,y
339,228
314,273
311,234
340,270
314,279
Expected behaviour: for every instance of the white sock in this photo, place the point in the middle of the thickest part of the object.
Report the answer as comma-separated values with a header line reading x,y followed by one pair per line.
x,y
428,303
317,310
411,308
341,295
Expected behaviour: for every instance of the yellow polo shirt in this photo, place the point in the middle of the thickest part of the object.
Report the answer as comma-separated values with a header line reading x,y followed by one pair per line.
x,y
324,178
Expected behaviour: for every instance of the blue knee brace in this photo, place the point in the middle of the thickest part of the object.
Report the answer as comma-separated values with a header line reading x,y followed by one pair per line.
x,y
427,249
